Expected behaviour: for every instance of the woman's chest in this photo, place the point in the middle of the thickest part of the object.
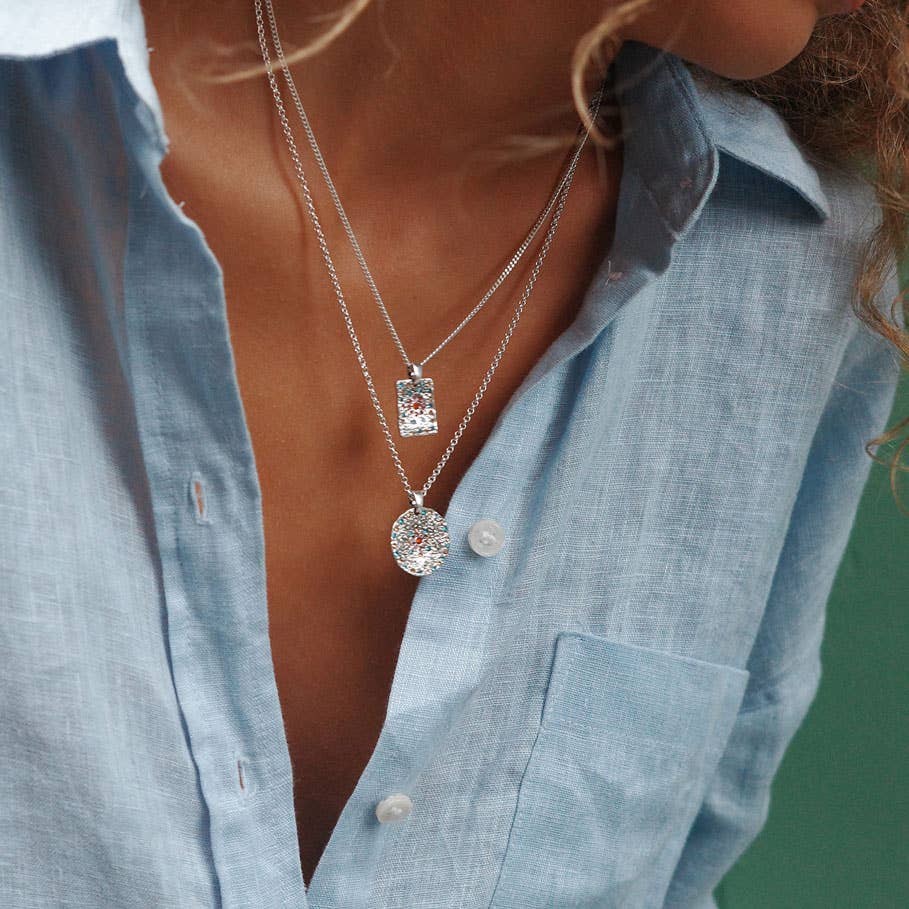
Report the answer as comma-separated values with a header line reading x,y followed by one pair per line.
x,y
338,603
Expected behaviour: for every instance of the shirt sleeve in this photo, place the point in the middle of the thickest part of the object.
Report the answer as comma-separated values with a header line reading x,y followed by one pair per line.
x,y
785,661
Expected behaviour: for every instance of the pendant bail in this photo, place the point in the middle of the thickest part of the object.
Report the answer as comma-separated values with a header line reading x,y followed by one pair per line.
x,y
414,371
416,500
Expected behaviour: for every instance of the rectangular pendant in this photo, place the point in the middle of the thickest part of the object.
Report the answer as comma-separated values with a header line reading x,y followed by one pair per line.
x,y
416,407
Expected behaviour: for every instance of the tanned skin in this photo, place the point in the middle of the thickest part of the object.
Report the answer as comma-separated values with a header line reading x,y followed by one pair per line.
x,y
401,104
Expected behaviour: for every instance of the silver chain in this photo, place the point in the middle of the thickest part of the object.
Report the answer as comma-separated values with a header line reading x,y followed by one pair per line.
x,y
342,214
415,497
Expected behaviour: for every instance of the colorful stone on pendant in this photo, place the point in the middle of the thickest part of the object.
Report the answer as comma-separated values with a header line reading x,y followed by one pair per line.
x,y
420,540
416,407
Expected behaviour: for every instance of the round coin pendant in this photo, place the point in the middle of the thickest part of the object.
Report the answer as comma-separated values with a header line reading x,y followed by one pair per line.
x,y
420,540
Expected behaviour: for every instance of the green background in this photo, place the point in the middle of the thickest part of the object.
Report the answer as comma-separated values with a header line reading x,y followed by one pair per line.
x,y
837,836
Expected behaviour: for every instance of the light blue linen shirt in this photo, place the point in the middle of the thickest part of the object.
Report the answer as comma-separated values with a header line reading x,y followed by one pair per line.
x,y
592,717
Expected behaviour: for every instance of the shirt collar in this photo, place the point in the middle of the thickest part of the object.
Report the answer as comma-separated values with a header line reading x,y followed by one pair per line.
x,y
675,125
675,122
53,26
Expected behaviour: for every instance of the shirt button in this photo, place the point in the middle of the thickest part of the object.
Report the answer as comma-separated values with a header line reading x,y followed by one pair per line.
x,y
394,808
486,537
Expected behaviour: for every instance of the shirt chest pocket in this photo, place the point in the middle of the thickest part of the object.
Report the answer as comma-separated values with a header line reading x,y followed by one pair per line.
x,y
628,739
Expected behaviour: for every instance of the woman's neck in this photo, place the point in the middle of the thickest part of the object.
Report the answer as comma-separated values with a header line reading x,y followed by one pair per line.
x,y
408,92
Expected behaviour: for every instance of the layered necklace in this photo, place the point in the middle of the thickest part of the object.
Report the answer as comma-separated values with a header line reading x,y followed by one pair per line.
x,y
419,536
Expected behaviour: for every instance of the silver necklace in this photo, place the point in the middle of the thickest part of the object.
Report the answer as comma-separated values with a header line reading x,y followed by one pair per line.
x,y
419,536
416,395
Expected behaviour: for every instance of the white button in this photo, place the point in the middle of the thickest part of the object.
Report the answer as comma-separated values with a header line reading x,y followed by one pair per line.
x,y
486,537
394,808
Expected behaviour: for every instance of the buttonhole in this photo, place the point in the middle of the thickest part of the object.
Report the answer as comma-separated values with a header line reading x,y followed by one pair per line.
x,y
197,496
243,778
